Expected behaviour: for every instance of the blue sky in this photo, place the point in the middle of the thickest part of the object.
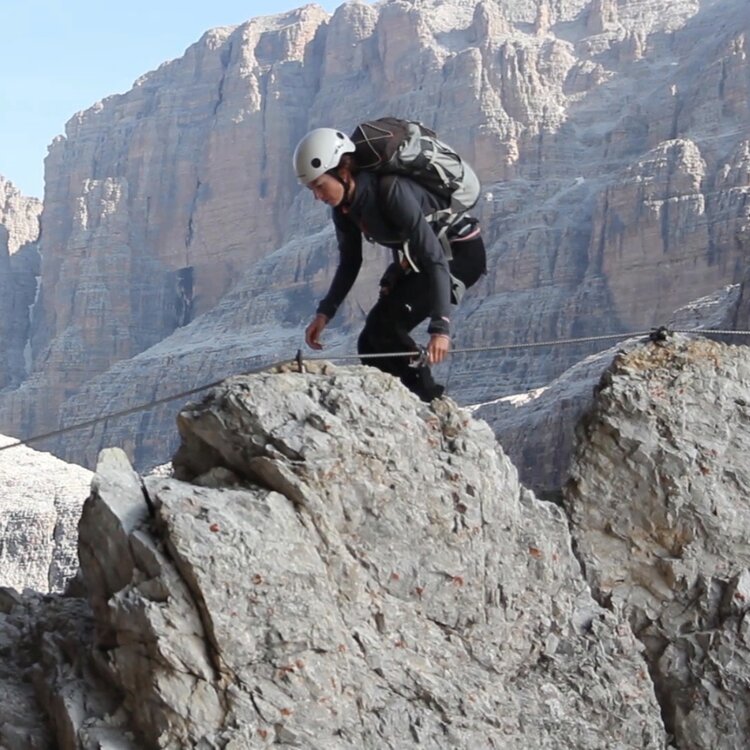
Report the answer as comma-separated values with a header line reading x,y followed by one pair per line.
x,y
62,56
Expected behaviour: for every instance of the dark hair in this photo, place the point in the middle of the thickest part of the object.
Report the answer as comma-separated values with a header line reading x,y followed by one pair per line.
x,y
349,162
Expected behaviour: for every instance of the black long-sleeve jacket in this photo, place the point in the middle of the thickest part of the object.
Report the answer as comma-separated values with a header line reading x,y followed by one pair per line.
x,y
390,210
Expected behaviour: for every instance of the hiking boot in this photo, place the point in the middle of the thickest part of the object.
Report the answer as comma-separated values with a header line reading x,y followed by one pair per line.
x,y
428,394
420,382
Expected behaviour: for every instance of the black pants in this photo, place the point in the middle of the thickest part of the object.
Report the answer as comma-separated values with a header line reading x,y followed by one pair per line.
x,y
406,305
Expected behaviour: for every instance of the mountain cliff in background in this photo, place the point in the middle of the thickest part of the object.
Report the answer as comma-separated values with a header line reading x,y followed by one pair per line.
x,y
19,271
612,139
19,214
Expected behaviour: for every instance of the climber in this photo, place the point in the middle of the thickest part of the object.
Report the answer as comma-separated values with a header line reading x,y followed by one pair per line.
x,y
420,283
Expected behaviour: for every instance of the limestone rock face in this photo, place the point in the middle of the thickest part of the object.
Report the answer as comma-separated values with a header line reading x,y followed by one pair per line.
x,y
536,429
40,505
153,222
19,214
611,139
6,300
19,269
658,498
629,233
309,578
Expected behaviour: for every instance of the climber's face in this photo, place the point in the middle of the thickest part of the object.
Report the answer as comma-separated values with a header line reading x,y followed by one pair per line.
x,y
328,189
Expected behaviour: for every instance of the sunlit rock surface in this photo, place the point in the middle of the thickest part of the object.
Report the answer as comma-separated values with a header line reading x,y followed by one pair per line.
x,y
659,501
40,504
339,565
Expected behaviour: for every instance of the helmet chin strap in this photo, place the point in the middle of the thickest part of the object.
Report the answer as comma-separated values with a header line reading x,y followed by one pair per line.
x,y
346,184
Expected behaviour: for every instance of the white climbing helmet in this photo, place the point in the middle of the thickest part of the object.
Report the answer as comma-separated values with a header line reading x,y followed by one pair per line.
x,y
320,150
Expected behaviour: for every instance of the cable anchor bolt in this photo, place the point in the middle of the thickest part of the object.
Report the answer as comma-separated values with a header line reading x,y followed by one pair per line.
x,y
662,333
421,360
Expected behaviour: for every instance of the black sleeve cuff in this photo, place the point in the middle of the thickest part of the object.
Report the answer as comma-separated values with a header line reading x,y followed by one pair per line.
x,y
440,325
327,309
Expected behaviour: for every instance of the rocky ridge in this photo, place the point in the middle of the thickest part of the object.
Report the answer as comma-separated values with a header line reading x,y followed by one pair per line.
x,y
392,592
611,139
536,429
408,591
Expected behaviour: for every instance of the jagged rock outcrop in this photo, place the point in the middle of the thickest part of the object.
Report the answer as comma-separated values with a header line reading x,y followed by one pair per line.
x,y
611,139
40,505
339,565
19,214
536,429
658,499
